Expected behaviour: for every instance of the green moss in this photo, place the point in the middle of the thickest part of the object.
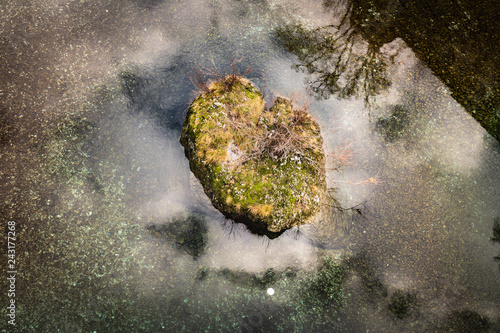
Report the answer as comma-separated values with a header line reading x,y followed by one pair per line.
x,y
263,167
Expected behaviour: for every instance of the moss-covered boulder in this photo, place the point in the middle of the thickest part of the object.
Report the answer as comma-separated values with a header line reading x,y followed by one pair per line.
x,y
265,168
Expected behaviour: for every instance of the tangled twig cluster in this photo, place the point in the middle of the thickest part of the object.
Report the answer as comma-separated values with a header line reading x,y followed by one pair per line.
x,y
202,76
285,140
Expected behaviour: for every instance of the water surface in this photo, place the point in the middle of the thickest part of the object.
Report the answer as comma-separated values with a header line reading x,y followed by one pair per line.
x,y
116,235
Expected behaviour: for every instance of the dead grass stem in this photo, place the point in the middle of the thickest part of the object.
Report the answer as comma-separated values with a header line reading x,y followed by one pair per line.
x,y
203,76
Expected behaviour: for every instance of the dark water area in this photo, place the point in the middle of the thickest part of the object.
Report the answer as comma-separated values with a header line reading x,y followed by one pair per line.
x,y
457,40
114,234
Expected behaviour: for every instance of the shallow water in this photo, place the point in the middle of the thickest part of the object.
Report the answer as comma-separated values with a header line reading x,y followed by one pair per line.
x,y
115,235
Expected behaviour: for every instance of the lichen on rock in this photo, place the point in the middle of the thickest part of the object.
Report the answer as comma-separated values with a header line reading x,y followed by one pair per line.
x,y
265,168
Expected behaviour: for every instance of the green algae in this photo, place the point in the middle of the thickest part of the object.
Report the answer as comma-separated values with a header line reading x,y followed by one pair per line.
x,y
261,167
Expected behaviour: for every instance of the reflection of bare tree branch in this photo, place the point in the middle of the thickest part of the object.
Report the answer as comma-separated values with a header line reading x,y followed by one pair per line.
x,y
339,62
338,58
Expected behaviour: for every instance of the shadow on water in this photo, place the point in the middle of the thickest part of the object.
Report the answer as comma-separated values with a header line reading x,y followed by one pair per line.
x,y
455,39
402,304
314,302
393,125
257,229
466,321
187,233
147,92
148,3
374,288
496,236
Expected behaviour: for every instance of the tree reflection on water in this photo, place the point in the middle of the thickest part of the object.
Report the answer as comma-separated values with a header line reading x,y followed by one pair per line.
x,y
343,59
455,39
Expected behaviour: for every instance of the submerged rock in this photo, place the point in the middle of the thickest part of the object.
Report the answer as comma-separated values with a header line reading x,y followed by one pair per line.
x,y
265,168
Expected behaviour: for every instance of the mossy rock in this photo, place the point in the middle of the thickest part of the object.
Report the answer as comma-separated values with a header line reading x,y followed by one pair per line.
x,y
265,168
